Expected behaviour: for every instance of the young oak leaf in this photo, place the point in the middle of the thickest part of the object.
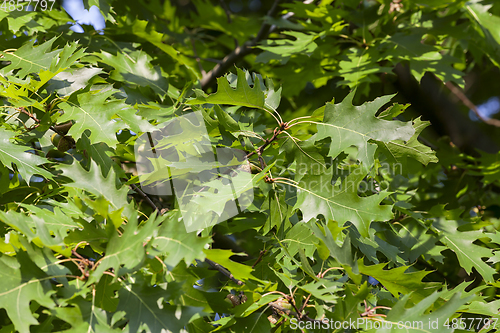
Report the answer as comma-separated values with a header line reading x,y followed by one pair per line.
x,y
41,60
26,163
136,70
175,243
22,283
145,308
126,252
341,203
93,181
462,243
91,110
398,282
243,95
398,152
348,125
41,225
31,59
420,319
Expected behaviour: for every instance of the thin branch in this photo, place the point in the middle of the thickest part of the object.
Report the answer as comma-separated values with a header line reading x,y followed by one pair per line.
x,y
292,301
275,292
226,9
145,196
225,272
261,255
305,303
322,275
277,131
238,53
197,58
467,102
293,313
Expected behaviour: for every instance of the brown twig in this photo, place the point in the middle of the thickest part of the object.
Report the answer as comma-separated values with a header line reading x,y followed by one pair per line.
x,y
32,116
146,197
467,102
261,255
226,9
371,311
238,53
291,313
83,264
305,303
277,131
225,272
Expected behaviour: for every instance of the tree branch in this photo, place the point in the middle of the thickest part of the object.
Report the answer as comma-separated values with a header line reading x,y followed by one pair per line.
x,y
290,313
238,53
146,197
225,272
467,102
277,131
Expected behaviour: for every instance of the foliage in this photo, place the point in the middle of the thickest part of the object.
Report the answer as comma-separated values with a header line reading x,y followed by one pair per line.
x,y
352,218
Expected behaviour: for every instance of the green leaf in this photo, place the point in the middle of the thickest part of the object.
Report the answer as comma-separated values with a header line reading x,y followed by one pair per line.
x,y
279,213
226,120
17,19
239,271
40,60
422,58
300,237
22,283
146,309
69,81
420,319
41,225
243,95
175,243
360,67
94,182
104,7
348,125
324,290
398,282
93,111
462,243
342,253
146,30
26,163
126,252
341,203
31,59
487,24
282,49
136,70
105,293
398,151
